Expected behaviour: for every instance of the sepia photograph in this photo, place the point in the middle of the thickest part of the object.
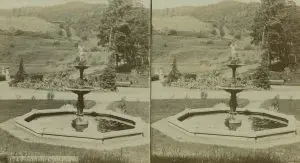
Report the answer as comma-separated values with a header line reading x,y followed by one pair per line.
x,y
225,81
75,81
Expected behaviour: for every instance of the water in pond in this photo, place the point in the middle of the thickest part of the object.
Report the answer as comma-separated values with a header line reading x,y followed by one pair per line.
x,y
218,122
96,124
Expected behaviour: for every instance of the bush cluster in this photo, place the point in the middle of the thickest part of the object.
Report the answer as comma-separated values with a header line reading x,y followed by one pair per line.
x,y
2,77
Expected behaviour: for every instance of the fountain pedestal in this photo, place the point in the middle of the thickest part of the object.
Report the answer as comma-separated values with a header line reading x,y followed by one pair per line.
x,y
79,123
232,122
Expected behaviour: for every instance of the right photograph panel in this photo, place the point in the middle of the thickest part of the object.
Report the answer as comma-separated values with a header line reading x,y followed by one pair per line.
x,y
225,81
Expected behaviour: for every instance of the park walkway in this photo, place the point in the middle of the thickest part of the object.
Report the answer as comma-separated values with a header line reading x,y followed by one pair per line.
x,y
102,99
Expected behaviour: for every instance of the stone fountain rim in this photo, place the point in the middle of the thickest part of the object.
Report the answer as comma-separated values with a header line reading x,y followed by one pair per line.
x,y
291,128
39,131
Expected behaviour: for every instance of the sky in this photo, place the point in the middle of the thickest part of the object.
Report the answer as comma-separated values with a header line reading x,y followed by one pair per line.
x,y
157,4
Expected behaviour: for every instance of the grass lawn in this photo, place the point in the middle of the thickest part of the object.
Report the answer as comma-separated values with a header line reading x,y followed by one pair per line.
x,y
165,149
134,108
164,108
286,106
11,145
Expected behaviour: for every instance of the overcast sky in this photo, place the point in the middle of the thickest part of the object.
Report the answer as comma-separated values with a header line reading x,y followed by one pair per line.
x,y
157,4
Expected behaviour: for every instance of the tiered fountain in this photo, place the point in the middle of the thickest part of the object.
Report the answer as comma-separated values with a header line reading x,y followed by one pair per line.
x,y
90,125
233,126
79,123
234,88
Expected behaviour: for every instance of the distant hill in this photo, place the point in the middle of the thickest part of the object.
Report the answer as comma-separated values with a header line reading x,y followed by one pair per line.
x,y
78,15
32,24
180,23
236,15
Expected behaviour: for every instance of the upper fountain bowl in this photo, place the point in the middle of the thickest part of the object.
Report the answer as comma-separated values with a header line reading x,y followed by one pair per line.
x,y
234,66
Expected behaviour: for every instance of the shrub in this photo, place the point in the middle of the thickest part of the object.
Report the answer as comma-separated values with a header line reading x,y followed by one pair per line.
x,y
2,78
122,105
50,95
261,75
108,78
204,95
189,76
18,32
202,34
56,42
12,45
174,74
210,42
60,32
154,77
94,49
248,47
238,36
172,32
214,32
36,77
84,37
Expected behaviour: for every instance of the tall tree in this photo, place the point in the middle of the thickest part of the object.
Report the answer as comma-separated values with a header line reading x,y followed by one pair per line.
x,y
125,30
274,29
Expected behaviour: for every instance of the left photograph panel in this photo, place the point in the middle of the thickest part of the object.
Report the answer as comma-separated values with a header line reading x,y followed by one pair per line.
x,y
75,81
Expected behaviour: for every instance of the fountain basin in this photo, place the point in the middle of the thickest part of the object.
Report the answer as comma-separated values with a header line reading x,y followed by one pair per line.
x,y
211,122
56,123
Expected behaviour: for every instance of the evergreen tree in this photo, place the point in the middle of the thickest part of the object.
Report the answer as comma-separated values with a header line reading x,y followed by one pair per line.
x,y
174,74
21,74
261,75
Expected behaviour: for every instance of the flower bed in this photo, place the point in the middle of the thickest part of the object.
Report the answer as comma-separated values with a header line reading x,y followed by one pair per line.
x,y
212,81
58,81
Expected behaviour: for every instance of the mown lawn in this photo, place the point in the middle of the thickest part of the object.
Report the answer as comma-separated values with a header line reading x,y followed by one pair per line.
x,y
164,108
134,108
166,150
11,145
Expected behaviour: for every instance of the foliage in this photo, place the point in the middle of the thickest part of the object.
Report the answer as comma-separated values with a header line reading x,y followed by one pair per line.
x,y
210,42
122,104
154,77
214,32
189,76
222,32
174,74
275,102
21,74
202,34
50,95
108,78
261,75
124,29
238,36
276,28
204,95
2,78
172,32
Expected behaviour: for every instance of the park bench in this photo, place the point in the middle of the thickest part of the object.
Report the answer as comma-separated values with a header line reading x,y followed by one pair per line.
x,y
123,83
276,82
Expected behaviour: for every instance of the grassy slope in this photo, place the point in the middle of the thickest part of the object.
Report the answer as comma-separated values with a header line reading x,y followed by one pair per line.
x,y
180,23
195,55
